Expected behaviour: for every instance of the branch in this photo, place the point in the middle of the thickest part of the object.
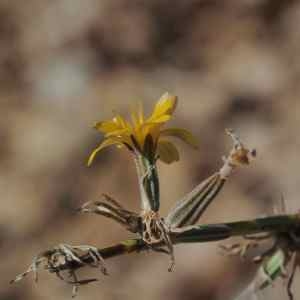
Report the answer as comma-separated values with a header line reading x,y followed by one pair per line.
x,y
67,258
204,233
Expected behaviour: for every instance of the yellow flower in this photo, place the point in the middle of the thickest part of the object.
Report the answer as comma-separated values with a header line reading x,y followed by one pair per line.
x,y
145,136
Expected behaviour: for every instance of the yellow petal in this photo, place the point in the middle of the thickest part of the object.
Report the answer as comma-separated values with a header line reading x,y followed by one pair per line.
x,y
139,136
167,152
151,128
119,133
165,106
105,143
160,119
120,121
107,126
135,119
141,113
182,134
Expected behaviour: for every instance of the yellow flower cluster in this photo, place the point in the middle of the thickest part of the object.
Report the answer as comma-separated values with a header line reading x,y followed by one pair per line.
x,y
143,135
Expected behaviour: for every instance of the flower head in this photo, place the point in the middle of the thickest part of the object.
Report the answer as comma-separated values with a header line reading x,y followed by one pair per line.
x,y
143,135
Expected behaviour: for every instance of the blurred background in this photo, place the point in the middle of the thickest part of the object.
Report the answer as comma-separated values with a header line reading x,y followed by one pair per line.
x,y
66,64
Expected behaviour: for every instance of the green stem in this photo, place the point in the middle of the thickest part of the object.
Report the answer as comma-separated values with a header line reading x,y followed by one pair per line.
x,y
148,182
207,233
279,223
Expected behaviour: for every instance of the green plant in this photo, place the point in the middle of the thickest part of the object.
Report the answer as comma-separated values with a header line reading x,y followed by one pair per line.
x,y
145,138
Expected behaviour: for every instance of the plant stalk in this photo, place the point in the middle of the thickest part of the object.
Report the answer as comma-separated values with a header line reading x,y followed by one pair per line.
x,y
206,233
